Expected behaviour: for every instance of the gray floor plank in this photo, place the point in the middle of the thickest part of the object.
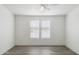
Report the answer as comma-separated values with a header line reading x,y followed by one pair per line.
x,y
24,50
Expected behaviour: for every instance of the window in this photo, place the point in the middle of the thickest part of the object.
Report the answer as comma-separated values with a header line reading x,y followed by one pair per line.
x,y
34,23
40,29
34,31
45,29
45,24
45,33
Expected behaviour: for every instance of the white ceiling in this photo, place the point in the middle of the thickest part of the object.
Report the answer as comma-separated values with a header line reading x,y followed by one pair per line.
x,y
34,9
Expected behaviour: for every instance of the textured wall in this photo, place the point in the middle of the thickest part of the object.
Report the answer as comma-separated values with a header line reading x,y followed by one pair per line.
x,y
7,30
22,30
72,30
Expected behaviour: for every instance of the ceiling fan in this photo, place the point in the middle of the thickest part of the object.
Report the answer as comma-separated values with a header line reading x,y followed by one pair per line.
x,y
44,7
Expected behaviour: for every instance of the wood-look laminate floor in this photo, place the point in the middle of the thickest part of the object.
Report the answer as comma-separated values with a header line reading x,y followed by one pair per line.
x,y
24,50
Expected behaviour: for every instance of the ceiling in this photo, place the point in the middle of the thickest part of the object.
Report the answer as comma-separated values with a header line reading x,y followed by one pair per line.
x,y
34,9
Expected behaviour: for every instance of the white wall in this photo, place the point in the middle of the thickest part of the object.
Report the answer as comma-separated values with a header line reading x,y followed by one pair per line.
x,y
72,30
22,30
6,29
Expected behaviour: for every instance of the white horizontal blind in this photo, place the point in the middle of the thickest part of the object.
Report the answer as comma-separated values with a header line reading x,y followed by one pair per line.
x,y
40,29
34,28
34,24
45,29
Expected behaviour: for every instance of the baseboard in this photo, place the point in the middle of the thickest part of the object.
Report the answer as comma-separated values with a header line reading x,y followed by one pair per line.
x,y
8,49
41,45
72,50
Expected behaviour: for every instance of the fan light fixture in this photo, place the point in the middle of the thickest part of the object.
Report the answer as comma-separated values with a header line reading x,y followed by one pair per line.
x,y
42,8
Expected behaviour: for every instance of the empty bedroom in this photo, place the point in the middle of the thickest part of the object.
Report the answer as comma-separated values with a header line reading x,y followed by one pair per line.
x,y
39,29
